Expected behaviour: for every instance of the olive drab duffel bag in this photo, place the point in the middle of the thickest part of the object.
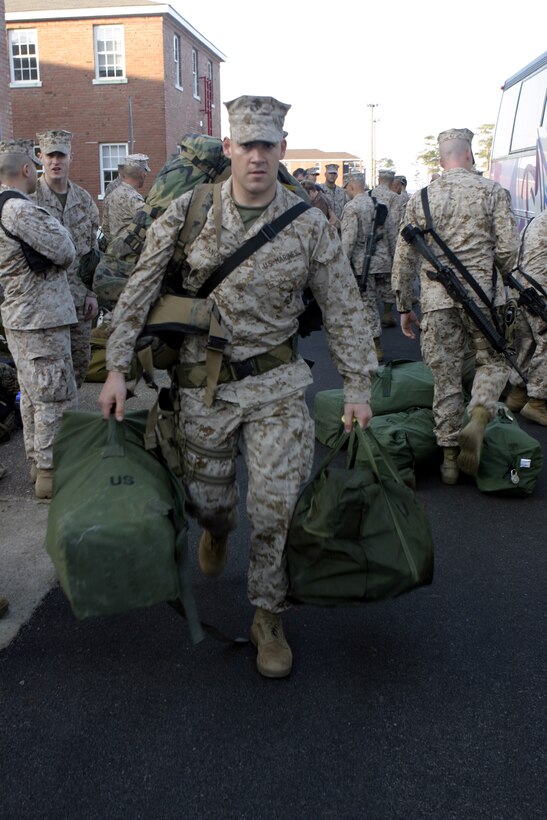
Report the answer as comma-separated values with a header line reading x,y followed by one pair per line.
x,y
511,459
408,437
397,385
357,534
117,532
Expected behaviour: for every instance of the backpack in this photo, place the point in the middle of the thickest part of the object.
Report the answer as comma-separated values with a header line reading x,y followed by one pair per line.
x,y
200,164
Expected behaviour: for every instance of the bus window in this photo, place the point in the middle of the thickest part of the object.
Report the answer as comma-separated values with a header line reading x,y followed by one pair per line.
x,y
506,118
530,112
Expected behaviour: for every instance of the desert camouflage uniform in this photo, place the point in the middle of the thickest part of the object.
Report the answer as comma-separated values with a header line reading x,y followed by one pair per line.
x,y
265,415
395,208
336,197
111,187
531,343
474,217
80,216
37,311
357,219
120,209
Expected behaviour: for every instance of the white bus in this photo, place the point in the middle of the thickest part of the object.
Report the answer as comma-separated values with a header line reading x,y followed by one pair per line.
x,y
519,149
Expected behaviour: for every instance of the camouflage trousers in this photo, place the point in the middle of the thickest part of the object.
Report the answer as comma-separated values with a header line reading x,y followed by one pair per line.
x,y
370,305
80,345
384,292
531,354
277,443
47,385
446,337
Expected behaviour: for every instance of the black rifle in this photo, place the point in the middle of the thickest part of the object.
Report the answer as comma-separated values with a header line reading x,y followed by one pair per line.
x,y
380,216
458,293
529,298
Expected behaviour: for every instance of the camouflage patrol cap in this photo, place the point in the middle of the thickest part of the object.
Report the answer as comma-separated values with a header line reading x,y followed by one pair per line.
x,y
386,173
256,119
20,147
332,168
456,134
57,141
137,160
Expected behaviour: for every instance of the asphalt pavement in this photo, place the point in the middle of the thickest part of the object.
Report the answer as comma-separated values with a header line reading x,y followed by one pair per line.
x,y
431,705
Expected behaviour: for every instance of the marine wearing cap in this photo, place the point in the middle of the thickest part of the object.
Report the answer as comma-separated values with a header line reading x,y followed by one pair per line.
x,y
385,173
20,147
256,119
332,168
57,141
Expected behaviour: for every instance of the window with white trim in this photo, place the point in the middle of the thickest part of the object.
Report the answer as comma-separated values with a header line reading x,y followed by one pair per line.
x,y
195,78
109,53
111,154
23,55
210,78
177,60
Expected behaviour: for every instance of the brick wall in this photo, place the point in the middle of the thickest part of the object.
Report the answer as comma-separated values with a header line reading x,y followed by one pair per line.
x,y
100,113
6,123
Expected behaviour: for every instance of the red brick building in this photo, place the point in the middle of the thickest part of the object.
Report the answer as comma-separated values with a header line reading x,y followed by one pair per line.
x,y
6,124
131,76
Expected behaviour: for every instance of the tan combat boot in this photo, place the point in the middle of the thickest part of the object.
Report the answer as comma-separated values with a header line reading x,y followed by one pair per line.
x,y
212,553
44,483
274,659
388,319
33,472
535,410
470,440
378,348
449,468
516,398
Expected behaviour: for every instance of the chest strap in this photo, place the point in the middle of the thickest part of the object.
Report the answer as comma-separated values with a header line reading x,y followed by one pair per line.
x,y
195,375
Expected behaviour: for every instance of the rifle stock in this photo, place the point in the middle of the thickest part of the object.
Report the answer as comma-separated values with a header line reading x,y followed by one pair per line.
x,y
529,298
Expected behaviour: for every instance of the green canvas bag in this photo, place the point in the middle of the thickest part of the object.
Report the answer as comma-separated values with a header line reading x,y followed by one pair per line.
x,y
117,532
511,459
357,534
397,385
407,436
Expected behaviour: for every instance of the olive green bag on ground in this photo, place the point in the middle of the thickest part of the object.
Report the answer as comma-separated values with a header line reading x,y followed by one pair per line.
x,y
117,532
357,534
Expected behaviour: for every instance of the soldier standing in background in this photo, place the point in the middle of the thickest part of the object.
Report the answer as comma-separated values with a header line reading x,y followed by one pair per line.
x,y
530,399
357,223
121,206
383,193
37,311
259,404
399,187
335,196
75,209
473,216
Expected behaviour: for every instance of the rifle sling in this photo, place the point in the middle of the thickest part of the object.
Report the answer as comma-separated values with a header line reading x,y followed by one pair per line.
x,y
451,256
265,234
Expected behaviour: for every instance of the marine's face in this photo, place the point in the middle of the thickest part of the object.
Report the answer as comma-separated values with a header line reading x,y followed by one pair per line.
x,y
56,165
331,177
254,170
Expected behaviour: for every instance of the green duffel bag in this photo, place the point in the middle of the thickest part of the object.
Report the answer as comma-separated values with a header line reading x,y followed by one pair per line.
x,y
117,532
407,436
357,534
511,459
396,386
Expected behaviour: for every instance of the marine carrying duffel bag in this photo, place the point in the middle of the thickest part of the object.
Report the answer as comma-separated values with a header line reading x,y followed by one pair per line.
x,y
357,534
117,533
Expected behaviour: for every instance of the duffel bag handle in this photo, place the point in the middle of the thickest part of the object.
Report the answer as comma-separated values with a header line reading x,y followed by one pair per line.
x,y
115,439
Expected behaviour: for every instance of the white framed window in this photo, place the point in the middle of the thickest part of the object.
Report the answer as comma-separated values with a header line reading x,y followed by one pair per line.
x,y
23,57
109,44
195,77
177,60
210,78
111,154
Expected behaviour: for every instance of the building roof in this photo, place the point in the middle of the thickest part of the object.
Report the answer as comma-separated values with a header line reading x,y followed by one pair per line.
x,y
30,10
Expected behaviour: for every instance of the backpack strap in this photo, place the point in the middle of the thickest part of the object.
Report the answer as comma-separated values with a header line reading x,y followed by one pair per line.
x,y
458,264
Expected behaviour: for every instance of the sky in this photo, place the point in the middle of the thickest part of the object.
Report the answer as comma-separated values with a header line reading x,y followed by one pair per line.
x,y
426,66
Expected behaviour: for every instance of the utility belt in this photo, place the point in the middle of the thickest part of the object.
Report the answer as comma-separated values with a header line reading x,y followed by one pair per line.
x,y
195,375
